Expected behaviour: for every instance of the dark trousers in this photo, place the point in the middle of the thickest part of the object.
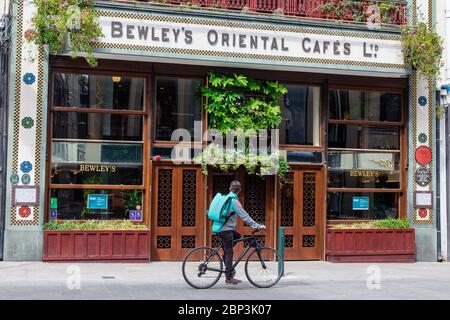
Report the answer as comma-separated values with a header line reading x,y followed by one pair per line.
x,y
227,238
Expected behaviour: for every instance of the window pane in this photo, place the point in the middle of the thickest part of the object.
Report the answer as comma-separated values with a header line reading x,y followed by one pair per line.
x,y
98,91
97,126
363,169
300,109
364,105
72,203
381,205
96,163
363,137
177,107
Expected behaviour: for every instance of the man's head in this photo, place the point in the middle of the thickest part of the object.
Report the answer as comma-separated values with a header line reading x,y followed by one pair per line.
x,y
235,186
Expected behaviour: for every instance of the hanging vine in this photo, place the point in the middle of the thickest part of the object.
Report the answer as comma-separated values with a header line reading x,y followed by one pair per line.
x,y
242,106
66,24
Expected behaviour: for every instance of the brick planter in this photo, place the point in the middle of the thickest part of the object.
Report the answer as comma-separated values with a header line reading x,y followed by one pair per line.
x,y
371,245
116,245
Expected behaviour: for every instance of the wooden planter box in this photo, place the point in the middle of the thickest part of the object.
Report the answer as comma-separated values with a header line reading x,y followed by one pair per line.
x,y
104,245
371,245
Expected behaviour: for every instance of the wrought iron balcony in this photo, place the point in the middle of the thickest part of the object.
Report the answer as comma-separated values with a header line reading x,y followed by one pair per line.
x,y
383,12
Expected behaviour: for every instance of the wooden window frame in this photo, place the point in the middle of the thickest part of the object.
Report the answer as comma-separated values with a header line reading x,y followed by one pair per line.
x,y
402,205
145,142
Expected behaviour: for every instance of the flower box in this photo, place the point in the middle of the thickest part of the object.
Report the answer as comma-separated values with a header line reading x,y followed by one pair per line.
x,y
97,245
371,245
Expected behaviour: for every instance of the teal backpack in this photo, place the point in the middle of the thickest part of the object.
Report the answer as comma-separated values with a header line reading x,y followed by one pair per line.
x,y
218,210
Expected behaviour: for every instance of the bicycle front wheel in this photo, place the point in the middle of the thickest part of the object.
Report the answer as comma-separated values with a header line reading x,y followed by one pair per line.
x,y
202,268
262,268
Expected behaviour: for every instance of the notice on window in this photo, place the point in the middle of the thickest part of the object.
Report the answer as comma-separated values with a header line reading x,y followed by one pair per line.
x,y
97,201
360,203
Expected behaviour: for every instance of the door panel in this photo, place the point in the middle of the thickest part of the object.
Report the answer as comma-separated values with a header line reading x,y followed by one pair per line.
x,y
301,213
177,214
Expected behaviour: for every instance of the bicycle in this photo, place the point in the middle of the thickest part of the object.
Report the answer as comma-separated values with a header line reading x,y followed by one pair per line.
x,y
205,265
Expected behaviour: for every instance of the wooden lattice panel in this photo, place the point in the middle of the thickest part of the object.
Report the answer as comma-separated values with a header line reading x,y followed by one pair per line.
x,y
255,198
189,198
309,199
287,201
165,198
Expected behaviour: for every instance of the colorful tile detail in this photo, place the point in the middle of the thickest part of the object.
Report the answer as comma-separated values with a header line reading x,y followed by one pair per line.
x,y
26,166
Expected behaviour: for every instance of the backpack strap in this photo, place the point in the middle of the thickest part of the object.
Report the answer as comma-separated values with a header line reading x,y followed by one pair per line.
x,y
228,215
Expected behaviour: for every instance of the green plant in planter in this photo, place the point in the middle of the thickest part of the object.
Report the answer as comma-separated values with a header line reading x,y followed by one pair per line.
x,y
132,199
389,223
422,48
68,225
66,24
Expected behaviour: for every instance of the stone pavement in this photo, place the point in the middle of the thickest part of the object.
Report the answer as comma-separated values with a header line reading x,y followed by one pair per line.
x,y
163,280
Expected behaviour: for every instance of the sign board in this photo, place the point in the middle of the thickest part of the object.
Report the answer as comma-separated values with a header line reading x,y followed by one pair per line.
x,y
207,39
423,155
360,203
422,176
135,215
97,201
26,195
423,199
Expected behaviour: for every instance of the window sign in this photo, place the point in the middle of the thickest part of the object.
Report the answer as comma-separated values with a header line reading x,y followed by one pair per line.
x,y
135,215
54,203
360,203
53,214
97,201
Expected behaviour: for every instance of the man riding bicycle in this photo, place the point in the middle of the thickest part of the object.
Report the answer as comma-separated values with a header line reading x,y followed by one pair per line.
x,y
227,232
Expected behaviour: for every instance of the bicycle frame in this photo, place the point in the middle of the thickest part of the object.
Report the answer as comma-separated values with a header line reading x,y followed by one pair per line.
x,y
251,245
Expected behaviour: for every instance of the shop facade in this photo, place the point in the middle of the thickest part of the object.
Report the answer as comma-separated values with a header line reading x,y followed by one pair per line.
x,y
357,126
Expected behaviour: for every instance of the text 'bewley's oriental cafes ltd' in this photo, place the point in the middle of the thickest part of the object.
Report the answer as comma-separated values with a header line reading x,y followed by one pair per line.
x,y
351,119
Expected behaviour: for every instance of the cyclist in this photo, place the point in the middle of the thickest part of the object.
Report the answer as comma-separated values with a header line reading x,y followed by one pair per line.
x,y
228,233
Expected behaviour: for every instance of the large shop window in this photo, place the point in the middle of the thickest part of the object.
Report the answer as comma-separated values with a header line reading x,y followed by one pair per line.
x,y
97,145
300,110
364,155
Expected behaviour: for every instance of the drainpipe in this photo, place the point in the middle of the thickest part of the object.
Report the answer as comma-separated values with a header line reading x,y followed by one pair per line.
x,y
5,28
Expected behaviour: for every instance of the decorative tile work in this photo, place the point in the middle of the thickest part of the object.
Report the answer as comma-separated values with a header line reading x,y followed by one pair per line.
x,y
27,122
26,166
29,78
423,101
24,211
26,179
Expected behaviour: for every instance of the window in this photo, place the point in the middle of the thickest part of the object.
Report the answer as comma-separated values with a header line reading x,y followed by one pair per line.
x,y
97,144
177,107
364,155
300,110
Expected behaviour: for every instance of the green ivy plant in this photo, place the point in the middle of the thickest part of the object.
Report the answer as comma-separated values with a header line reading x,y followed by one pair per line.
x,y
66,24
422,48
243,106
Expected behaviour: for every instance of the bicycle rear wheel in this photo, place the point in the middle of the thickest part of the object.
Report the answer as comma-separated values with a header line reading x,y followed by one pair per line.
x,y
201,268
264,273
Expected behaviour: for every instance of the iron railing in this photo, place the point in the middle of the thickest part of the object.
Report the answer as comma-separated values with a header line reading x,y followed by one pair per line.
x,y
356,11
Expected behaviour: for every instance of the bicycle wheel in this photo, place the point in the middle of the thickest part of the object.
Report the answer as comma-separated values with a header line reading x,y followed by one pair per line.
x,y
264,273
201,268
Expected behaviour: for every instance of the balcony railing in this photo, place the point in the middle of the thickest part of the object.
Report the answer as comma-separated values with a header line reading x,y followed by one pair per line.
x,y
355,11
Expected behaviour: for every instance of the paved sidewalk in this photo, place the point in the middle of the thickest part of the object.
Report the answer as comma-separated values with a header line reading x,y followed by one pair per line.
x,y
163,280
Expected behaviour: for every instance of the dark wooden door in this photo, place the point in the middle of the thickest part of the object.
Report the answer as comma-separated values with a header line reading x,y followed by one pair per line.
x,y
301,214
178,212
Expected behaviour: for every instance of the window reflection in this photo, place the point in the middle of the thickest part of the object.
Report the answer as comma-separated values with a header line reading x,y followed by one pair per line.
x,y
98,91
177,106
300,110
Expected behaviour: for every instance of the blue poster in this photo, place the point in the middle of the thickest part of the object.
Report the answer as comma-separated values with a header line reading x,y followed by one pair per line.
x,y
135,215
53,214
97,201
360,203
